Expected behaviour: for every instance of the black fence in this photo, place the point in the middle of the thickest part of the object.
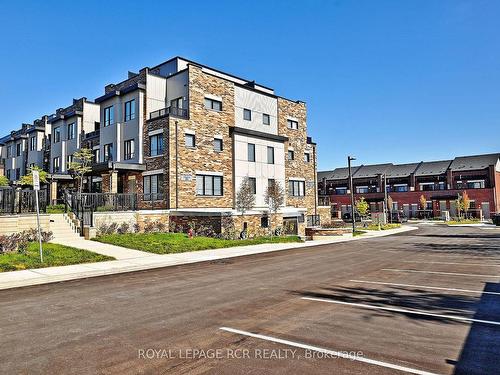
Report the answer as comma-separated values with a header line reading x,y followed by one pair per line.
x,y
17,201
108,201
313,221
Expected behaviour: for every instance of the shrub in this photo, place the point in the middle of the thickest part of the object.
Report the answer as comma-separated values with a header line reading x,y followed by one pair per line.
x,y
123,228
55,209
19,241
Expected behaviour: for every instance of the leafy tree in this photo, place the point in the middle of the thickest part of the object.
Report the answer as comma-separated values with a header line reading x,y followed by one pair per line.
x,y
28,179
423,202
274,197
390,203
4,181
245,198
362,207
81,164
463,203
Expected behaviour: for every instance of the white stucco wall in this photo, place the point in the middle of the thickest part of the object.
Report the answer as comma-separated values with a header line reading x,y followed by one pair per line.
x,y
260,169
258,104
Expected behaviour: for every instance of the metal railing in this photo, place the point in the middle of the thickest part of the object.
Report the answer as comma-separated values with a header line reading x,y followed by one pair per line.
x,y
313,221
172,111
17,201
109,201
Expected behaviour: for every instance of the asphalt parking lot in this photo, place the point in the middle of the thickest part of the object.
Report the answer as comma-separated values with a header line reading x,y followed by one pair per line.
x,y
422,302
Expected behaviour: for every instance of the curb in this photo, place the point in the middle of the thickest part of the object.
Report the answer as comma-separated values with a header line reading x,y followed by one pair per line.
x,y
30,278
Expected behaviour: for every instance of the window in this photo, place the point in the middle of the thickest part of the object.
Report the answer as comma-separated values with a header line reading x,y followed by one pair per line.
x,y
32,143
478,184
109,116
341,191
266,119
71,131
270,181
208,185
156,145
57,134
251,152
96,154
130,110
18,149
176,103
307,157
9,151
8,174
291,155
190,140
247,114
253,184
56,165
296,188
69,159
428,205
129,149
270,155
264,222
400,188
362,189
217,144
292,124
213,104
18,173
108,152
153,187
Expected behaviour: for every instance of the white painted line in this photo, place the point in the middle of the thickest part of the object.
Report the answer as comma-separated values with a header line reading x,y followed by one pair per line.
x,y
440,273
425,287
327,351
416,312
463,264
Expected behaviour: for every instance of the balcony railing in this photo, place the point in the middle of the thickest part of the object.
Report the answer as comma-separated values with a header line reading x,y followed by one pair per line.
x,y
169,111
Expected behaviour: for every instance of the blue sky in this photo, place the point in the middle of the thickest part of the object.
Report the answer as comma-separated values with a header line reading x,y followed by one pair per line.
x,y
386,81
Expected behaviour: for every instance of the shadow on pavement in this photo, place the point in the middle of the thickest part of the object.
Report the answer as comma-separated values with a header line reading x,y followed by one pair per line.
x,y
481,350
404,298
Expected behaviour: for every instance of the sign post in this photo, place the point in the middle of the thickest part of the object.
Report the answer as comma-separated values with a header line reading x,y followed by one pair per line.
x,y
36,188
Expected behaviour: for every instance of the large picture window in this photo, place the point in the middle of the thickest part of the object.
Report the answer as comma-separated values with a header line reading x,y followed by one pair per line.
x,y
57,135
153,187
71,131
208,185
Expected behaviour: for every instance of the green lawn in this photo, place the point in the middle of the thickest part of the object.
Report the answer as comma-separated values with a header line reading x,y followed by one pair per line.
x,y
463,221
167,243
53,255
382,227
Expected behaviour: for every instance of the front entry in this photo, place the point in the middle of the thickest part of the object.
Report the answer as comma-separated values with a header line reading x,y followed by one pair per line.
x,y
291,226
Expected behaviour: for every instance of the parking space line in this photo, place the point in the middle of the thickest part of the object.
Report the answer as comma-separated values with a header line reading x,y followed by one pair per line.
x,y
396,309
460,264
327,351
425,287
440,273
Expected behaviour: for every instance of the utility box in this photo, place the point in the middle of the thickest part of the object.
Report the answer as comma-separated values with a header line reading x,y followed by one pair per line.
x,y
379,218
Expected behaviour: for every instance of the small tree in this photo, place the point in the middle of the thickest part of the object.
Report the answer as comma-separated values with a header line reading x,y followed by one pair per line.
x,y
274,197
390,203
81,164
464,203
362,207
245,198
28,179
423,202
4,181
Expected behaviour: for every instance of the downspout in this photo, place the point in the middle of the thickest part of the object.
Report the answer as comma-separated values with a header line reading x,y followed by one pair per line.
x,y
176,165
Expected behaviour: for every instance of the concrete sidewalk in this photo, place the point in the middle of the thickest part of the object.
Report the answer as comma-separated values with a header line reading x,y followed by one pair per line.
x,y
144,261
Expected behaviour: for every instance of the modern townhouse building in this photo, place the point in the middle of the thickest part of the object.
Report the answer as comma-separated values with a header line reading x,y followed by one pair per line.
x,y
183,136
67,127
440,182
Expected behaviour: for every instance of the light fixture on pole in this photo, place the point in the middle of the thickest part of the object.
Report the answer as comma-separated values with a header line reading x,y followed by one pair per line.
x,y
351,187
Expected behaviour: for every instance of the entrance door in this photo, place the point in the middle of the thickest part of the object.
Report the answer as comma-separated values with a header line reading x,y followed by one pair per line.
x,y
453,208
486,209
291,226
131,186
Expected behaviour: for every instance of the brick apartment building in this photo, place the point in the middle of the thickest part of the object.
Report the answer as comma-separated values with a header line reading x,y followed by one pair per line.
x,y
182,136
440,182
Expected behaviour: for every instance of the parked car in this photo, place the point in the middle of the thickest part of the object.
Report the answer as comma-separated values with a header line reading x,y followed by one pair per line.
x,y
398,217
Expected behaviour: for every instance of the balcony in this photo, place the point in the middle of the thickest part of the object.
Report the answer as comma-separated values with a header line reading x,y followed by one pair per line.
x,y
169,111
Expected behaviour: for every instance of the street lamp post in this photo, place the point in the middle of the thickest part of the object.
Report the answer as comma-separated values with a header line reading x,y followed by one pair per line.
x,y
349,159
